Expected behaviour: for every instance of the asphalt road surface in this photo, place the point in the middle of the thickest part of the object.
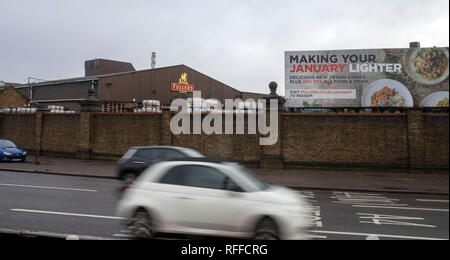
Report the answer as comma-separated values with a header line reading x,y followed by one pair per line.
x,y
53,205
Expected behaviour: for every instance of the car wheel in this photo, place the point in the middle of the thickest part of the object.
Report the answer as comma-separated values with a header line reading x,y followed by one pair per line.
x,y
142,225
129,178
266,229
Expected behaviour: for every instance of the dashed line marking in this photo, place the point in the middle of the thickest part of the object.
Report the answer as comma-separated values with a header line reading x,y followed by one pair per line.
x,y
424,200
403,208
66,214
375,235
44,187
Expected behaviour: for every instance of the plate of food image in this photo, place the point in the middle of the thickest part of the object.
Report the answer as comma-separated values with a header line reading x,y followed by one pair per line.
x,y
427,66
386,93
436,99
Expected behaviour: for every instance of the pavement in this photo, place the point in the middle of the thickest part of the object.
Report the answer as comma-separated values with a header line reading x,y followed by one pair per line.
x,y
348,180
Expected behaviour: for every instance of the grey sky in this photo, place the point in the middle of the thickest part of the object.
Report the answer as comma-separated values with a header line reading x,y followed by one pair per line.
x,y
238,42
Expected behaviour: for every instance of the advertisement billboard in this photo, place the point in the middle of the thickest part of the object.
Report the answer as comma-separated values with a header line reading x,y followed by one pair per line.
x,y
413,77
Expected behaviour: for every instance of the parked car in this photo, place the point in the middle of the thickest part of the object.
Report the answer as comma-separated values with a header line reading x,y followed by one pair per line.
x,y
137,159
10,152
211,199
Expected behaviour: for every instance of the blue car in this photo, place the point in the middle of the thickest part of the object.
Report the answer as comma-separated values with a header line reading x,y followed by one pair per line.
x,y
9,152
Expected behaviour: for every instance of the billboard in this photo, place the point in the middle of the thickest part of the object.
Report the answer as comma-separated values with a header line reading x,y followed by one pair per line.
x,y
414,77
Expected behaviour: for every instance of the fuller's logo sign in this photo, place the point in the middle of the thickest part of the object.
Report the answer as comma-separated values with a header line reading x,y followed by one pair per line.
x,y
182,85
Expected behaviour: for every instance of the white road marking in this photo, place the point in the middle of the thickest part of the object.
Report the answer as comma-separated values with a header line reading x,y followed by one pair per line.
x,y
370,203
369,199
423,200
49,234
66,214
365,199
308,236
315,217
45,187
374,235
379,219
350,194
123,235
404,208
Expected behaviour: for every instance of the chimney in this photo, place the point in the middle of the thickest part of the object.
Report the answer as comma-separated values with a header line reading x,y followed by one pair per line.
x,y
103,66
414,45
153,60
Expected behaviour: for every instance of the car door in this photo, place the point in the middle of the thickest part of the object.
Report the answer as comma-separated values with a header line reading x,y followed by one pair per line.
x,y
168,193
145,158
205,206
219,211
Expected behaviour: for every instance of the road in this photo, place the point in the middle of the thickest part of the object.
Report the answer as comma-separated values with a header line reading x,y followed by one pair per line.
x,y
54,205
367,215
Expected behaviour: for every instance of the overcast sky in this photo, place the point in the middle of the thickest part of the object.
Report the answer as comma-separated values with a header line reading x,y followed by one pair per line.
x,y
238,42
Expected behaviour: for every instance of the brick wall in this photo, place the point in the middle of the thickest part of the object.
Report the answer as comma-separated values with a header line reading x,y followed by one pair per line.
x,y
345,139
60,133
19,128
435,140
243,148
114,134
411,140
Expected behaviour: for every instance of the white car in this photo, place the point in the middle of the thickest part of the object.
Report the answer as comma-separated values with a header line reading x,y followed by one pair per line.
x,y
211,199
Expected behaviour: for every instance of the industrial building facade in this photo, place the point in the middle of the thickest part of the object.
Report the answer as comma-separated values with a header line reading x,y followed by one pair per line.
x,y
127,88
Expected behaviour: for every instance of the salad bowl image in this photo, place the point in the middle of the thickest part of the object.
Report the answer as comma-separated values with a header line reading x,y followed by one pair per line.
x,y
427,66
386,93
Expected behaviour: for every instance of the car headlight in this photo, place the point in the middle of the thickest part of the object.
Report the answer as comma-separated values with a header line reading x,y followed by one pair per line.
x,y
6,153
24,153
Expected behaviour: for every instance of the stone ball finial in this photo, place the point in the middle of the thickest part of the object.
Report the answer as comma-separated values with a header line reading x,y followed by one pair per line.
x,y
273,88
273,85
91,92
273,95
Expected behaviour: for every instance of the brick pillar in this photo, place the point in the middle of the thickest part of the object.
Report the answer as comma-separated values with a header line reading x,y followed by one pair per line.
x,y
88,106
38,136
416,154
165,133
84,148
272,155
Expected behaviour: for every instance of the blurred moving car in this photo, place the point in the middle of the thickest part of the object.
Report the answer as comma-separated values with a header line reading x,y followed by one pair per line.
x,y
137,159
211,199
9,152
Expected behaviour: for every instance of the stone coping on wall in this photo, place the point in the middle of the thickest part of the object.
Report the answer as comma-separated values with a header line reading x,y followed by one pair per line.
x,y
205,113
342,114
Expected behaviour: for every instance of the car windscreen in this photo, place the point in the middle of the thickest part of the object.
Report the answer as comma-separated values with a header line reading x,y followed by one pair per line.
x,y
129,154
255,182
192,153
149,154
195,176
6,144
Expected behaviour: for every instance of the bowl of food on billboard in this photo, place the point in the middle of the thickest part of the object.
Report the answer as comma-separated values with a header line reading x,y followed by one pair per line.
x,y
436,99
428,66
387,93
